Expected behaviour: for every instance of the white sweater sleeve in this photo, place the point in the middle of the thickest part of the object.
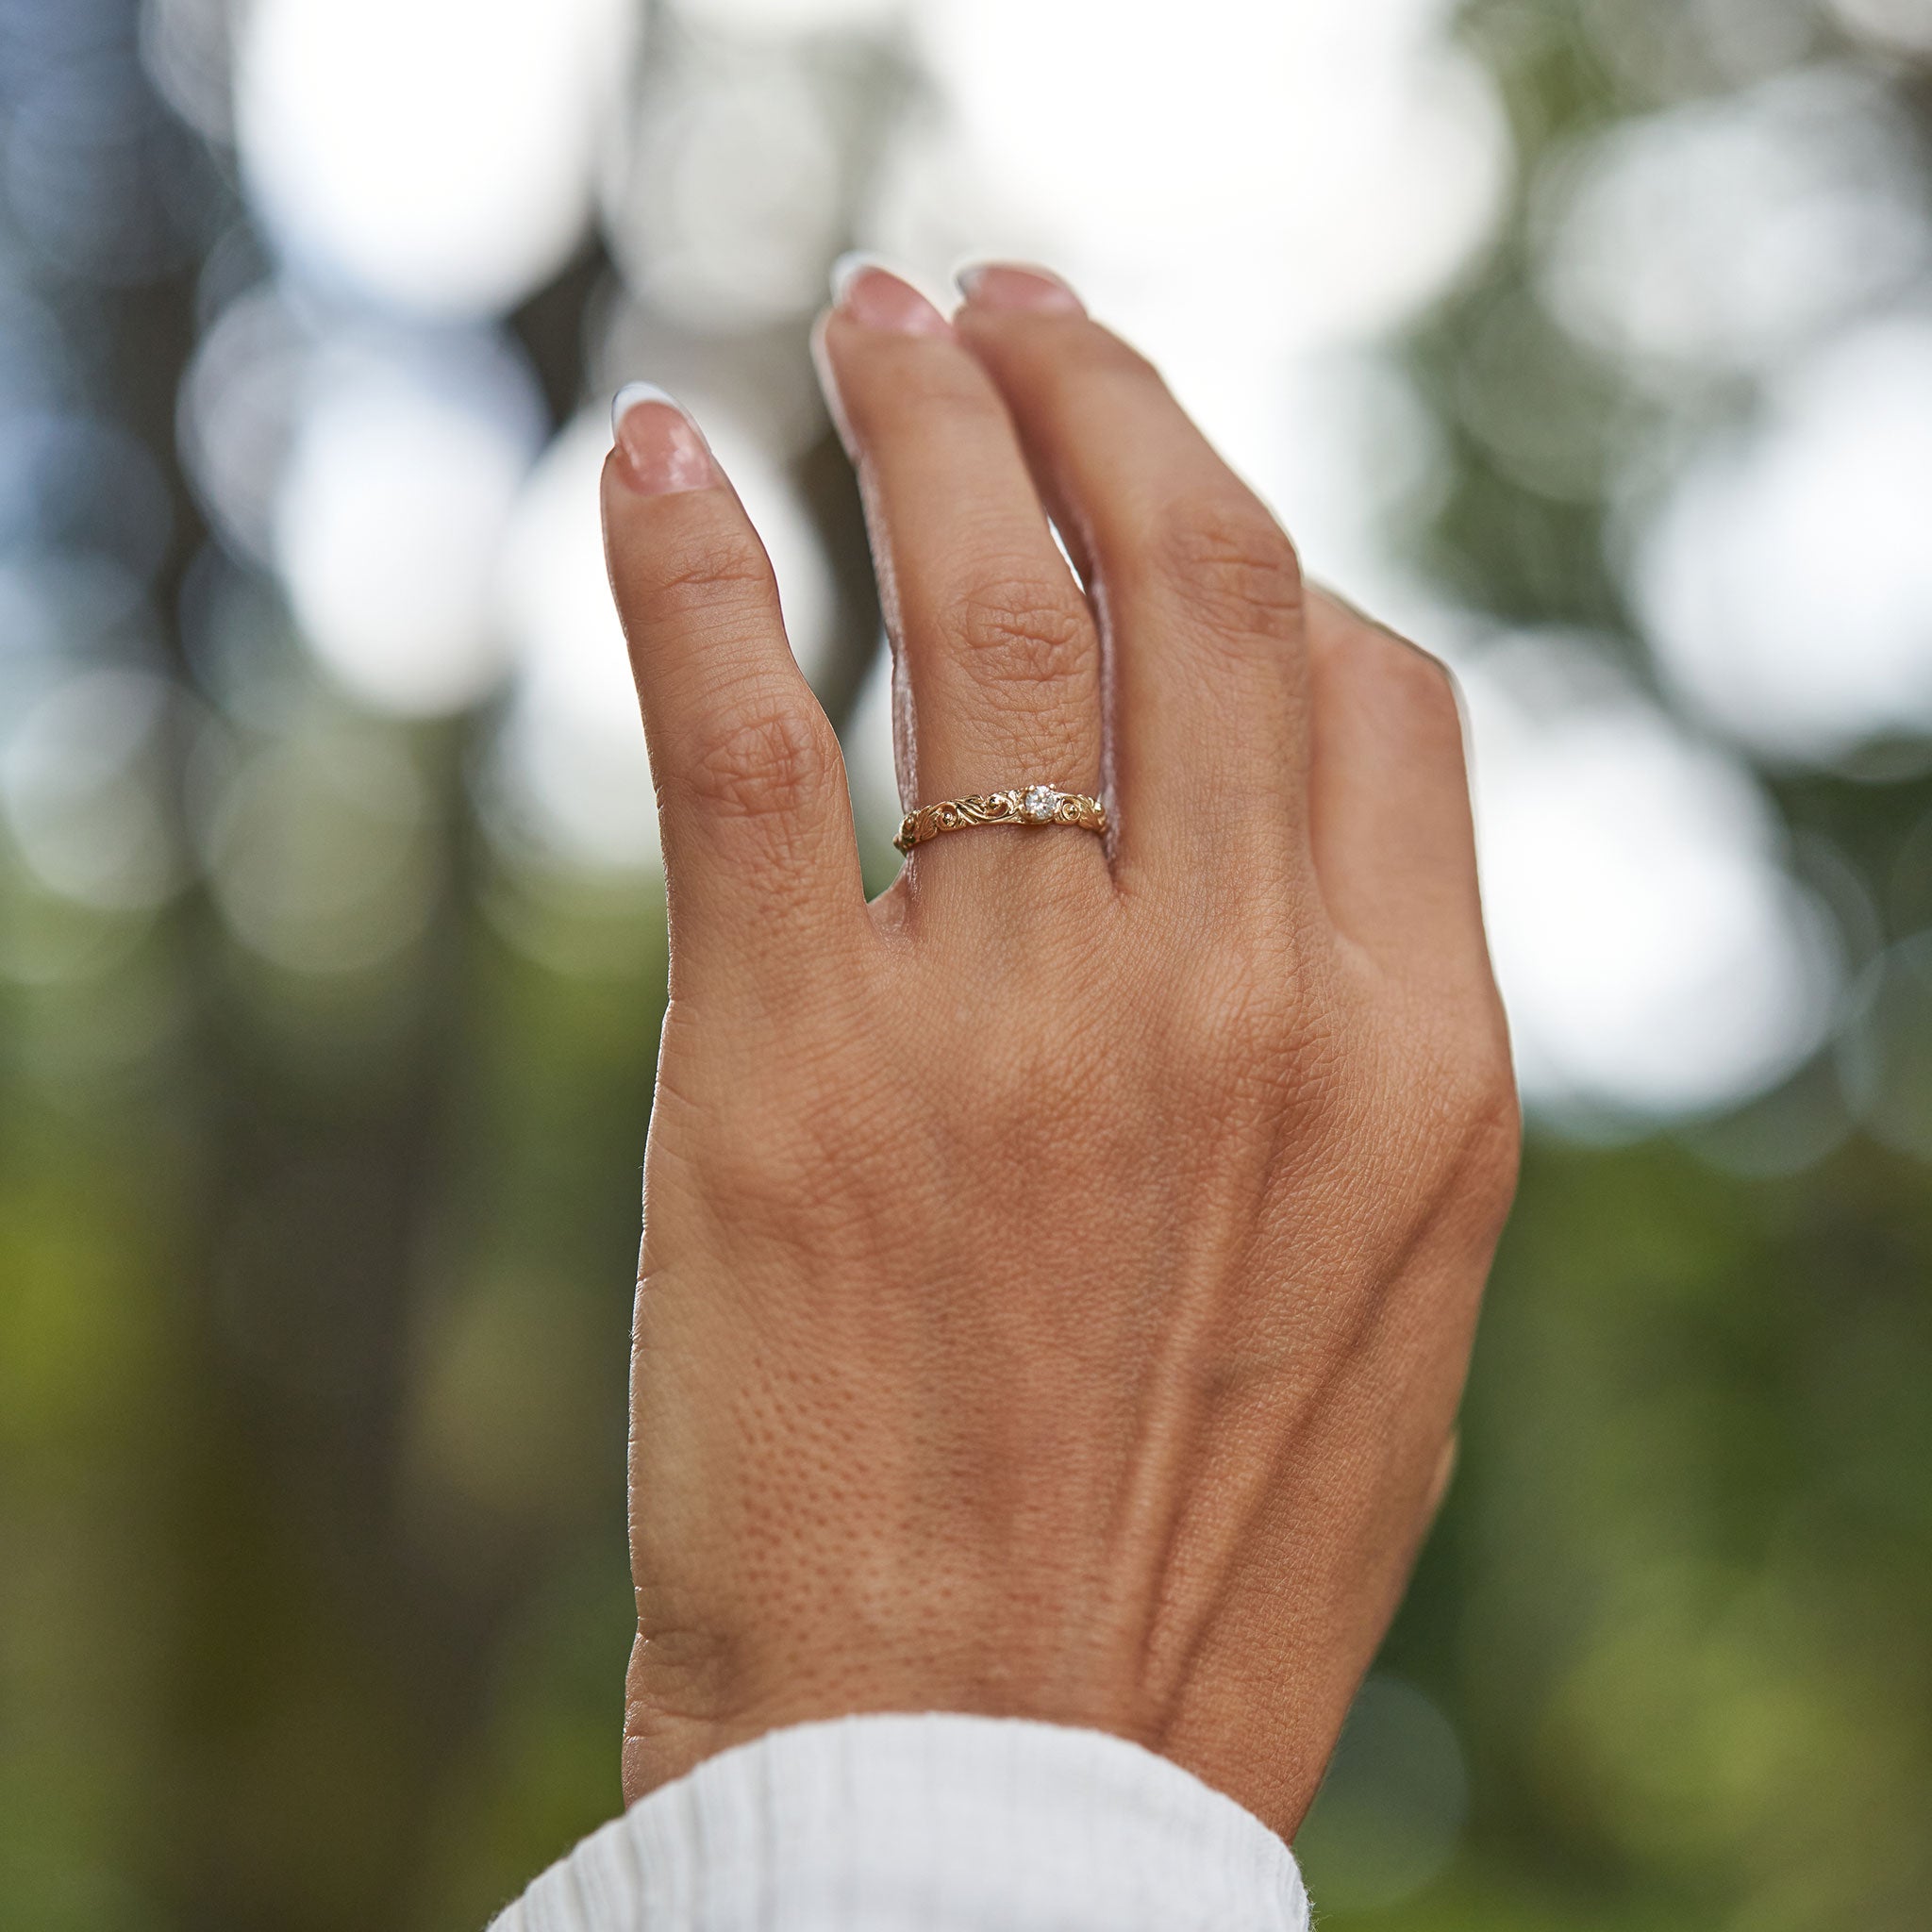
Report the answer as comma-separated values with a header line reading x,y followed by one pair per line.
x,y
933,1823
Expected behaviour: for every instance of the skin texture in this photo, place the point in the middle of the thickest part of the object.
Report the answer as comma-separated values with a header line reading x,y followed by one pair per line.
x,y
1059,1275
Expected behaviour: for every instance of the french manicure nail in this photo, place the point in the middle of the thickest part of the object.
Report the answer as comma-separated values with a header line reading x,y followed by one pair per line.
x,y
659,448
866,290
1012,285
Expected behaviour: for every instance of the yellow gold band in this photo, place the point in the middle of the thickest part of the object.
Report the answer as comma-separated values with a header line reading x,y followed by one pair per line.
x,y
1030,805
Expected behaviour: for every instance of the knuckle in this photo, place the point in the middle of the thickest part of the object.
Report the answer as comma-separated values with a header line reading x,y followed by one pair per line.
x,y
762,762
1495,1153
1251,1007
1020,630
1101,352
1481,1118
1236,565
1017,1090
1418,686
715,574
1486,1098
943,394
775,1180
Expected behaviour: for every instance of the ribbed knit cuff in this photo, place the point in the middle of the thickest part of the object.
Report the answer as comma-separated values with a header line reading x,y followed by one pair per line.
x,y
925,1824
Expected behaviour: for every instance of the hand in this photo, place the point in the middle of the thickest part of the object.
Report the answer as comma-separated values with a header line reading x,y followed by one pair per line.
x,y
1059,1275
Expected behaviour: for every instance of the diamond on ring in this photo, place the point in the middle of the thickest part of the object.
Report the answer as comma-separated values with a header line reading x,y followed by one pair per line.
x,y
1025,804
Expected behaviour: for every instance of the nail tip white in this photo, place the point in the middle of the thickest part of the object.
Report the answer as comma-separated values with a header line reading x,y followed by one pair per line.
x,y
849,267
632,393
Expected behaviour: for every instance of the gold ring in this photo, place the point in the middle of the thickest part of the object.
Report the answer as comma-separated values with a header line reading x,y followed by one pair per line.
x,y
1030,805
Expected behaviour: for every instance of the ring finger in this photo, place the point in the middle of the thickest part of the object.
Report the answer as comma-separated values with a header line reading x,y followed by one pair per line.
x,y
995,652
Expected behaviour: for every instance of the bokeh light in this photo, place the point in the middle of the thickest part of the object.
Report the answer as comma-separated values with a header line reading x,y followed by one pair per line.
x,y
100,181
237,412
1886,1049
1727,234
788,17
1906,24
1318,174
1391,1809
1787,580
83,785
404,462
317,847
1655,956
435,154
75,483
728,206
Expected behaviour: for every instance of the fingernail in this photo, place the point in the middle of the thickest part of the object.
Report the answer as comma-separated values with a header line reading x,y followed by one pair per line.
x,y
866,290
1007,285
659,448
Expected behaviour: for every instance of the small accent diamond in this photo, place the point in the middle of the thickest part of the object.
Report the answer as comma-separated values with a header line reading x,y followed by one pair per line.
x,y
1038,804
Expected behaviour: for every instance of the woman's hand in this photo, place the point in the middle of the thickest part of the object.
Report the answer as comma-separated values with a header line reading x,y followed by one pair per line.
x,y
1058,1276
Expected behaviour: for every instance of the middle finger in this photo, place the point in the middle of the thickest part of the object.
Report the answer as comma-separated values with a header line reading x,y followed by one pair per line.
x,y
996,655
1199,584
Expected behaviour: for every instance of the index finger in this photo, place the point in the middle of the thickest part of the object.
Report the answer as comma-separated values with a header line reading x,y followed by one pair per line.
x,y
759,857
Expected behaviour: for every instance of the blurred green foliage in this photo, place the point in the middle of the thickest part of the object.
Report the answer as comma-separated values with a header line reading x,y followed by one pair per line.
x,y
313,1319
